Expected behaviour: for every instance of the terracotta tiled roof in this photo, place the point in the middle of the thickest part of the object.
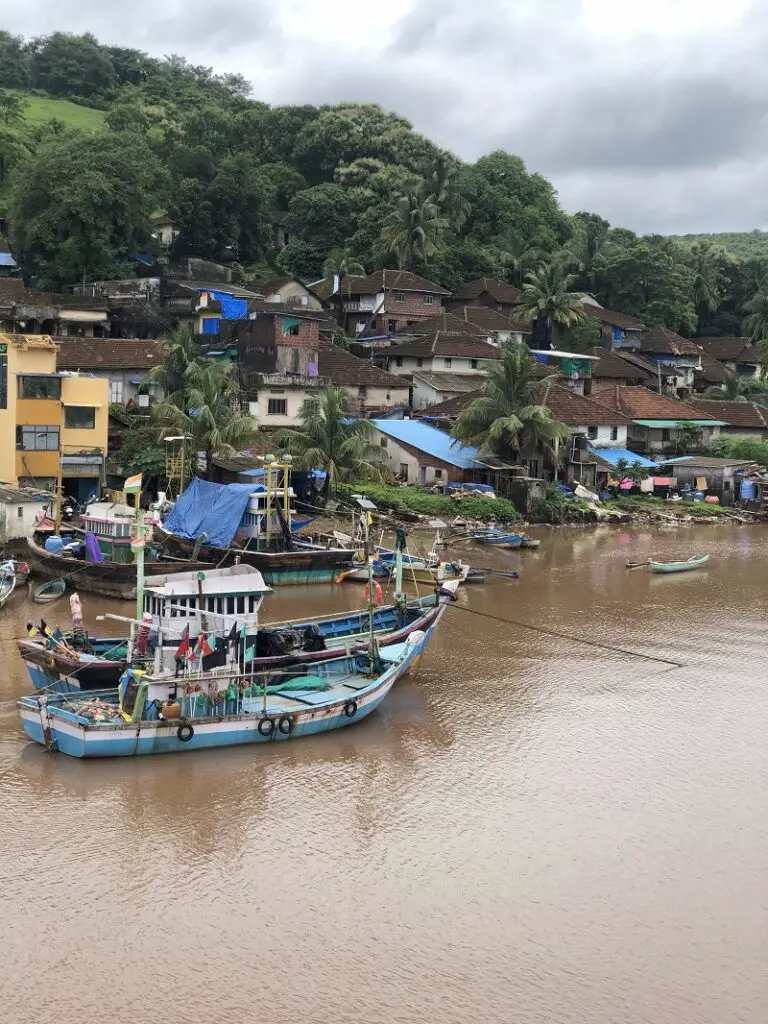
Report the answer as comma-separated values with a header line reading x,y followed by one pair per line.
x,y
381,280
11,288
491,320
451,407
450,382
107,354
446,343
730,350
736,414
712,370
578,411
504,293
639,403
614,366
662,341
442,321
340,367
613,319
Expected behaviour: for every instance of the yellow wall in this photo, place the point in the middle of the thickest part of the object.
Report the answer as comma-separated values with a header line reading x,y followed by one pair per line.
x,y
92,391
38,412
40,464
26,354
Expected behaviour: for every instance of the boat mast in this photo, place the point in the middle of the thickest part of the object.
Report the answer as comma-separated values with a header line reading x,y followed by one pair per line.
x,y
367,507
57,512
268,461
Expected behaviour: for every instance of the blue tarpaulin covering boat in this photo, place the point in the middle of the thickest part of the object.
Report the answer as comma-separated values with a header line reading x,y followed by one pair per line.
x,y
213,509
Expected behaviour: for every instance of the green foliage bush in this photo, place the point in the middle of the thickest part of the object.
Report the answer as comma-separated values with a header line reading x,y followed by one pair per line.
x,y
411,499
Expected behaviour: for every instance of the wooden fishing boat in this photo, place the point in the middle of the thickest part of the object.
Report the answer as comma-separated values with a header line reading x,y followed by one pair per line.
x,y
68,662
498,538
47,593
7,587
668,567
530,542
108,578
156,715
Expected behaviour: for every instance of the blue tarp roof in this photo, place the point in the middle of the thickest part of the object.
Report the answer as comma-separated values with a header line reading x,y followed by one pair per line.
x,y
214,509
6,260
613,455
429,440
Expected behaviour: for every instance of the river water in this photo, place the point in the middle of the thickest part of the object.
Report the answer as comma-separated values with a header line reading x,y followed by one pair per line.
x,y
533,830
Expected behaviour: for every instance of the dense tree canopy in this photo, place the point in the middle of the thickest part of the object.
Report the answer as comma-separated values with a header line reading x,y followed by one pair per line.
x,y
352,184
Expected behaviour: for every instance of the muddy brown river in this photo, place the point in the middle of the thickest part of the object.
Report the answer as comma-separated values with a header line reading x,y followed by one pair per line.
x,y
532,830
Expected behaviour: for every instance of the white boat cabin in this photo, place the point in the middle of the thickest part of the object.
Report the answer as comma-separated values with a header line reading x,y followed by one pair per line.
x,y
214,604
253,525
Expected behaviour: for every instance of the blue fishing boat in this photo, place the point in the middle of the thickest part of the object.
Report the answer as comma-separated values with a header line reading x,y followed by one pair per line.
x,y
223,599
498,538
166,714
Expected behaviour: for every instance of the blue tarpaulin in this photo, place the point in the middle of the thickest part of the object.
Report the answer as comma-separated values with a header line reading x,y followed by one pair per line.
x,y
482,488
211,325
214,509
231,308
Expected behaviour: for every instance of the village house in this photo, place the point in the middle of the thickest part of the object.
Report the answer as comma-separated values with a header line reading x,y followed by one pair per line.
x,y
616,368
713,373
19,514
287,291
373,391
737,354
575,368
28,311
499,327
616,329
8,265
421,454
485,291
380,302
657,422
741,420
721,477
436,360
164,231
124,362
675,360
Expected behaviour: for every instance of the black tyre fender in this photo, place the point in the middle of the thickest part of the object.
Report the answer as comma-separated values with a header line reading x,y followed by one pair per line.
x,y
350,708
185,733
285,725
266,726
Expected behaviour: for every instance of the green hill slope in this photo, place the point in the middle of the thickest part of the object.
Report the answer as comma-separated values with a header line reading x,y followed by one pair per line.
x,y
746,244
40,109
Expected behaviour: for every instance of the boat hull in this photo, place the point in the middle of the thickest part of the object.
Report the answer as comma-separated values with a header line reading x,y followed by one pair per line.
x,y
63,731
279,568
109,579
58,672
665,568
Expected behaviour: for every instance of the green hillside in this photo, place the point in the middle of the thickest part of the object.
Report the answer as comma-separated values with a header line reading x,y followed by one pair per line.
x,y
41,109
746,244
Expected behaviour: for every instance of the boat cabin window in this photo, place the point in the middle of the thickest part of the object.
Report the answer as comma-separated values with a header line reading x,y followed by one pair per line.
x,y
230,606
241,605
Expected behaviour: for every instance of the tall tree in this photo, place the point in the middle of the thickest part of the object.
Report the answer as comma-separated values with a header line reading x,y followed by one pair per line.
x,y
548,302
13,143
443,187
756,319
706,282
179,355
518,256
510,416
211,413
590,234
737,388
413,231
329,439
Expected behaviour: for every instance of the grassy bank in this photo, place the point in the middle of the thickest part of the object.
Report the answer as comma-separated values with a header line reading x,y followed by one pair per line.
x,y
411,500
42,109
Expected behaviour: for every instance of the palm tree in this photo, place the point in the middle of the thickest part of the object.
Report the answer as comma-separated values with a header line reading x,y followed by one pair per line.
x,y
706,283
413,230
329,439
546,298
736,388
180,354
590,233
441,186
211,415
756,321
343,263
509,414
518,257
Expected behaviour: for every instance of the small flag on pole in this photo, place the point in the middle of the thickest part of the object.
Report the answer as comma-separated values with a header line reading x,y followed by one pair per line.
x,y
202,647
183,649
132,484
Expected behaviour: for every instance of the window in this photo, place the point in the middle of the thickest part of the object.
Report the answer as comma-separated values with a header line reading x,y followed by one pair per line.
x,y
419,362
37,439
403,474
291,332
399,361
473,364
19,511
383,442
391,325
429,300
295,361
3,377
79,417
614,433
39,387
665,435
438,474
116,392
592,433
448,362
277,407
401,296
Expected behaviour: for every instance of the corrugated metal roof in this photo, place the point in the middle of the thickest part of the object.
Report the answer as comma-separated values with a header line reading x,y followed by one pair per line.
x,y
6,260
429,440
612,456
676,423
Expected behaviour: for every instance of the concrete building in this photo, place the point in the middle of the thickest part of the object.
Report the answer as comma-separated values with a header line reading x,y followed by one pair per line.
x,y
123,362
382,302
19,513
741,420
485,291
420,454
656,421
373,391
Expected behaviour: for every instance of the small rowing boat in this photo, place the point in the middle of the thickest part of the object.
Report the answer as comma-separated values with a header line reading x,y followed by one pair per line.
x,y
47,593
498,538
530,542
7,587
692,563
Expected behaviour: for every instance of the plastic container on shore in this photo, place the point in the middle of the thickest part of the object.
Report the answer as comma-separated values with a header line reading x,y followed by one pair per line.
x,y
54,545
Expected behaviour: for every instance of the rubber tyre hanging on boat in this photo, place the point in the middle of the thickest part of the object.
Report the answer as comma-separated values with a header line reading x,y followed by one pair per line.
x,y
350,708
185,733
266,726
285,725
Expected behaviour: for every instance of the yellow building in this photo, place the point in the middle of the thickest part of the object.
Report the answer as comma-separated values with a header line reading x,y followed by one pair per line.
x,y
53,425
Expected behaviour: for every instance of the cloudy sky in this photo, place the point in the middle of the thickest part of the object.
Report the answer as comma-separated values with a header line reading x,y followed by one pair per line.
x,y
650,112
